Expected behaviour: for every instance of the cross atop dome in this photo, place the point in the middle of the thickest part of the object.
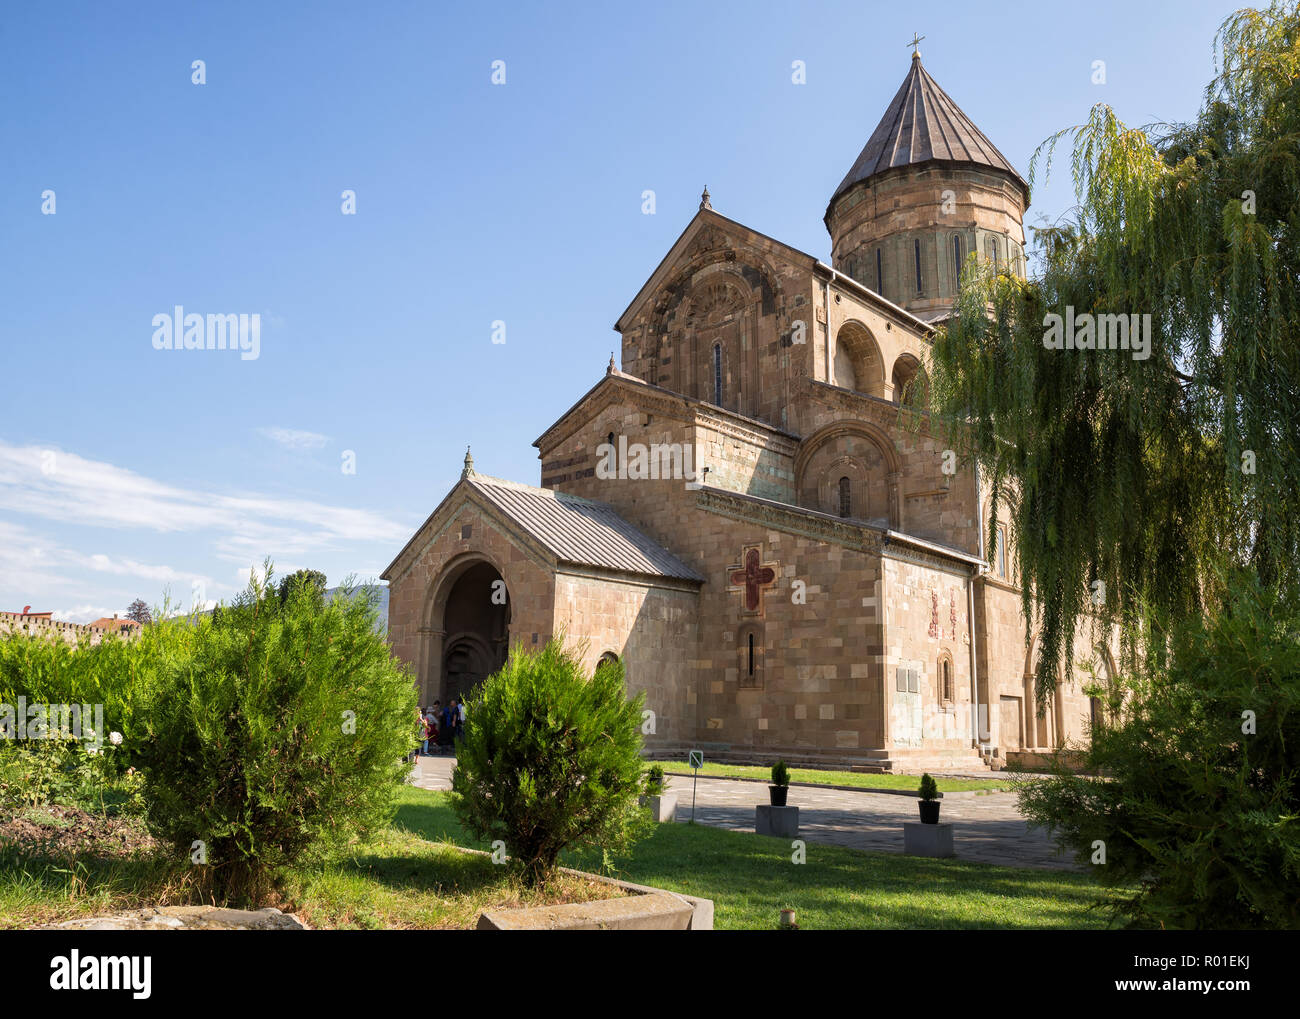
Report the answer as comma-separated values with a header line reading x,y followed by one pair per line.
x,y
916,46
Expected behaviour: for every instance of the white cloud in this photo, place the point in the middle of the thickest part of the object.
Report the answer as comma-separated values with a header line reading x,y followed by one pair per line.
x,y
30,563
57,485
85,613
22,552
241,528
130,568
291,438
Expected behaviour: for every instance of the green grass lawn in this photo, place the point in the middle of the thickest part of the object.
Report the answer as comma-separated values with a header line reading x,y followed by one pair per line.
x,y
750,878
857,779
411,878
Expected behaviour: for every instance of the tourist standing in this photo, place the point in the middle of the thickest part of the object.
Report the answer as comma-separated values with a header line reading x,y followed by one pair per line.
x,y
428,731
414,755
448,721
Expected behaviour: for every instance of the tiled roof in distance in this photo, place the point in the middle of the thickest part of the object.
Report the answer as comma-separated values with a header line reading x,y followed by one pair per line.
x,y
581,531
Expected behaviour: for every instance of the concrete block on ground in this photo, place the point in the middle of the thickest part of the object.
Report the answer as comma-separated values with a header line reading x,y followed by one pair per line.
x,y
782,821
928,839
662,808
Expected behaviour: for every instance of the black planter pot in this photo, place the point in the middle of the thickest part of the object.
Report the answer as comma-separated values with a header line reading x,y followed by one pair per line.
x,y
778,794
929,811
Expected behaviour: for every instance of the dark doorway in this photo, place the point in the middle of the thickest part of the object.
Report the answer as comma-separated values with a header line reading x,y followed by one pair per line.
x,y
477,627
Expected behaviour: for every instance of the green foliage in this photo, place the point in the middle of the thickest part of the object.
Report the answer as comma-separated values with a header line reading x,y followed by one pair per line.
x,y
780,774
929,789
59,768
116,675
1195,810
551,759
655,783
277,734
314,580
1146,475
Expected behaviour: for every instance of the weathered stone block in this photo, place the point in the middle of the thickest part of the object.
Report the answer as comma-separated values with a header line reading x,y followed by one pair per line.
x,y
656,911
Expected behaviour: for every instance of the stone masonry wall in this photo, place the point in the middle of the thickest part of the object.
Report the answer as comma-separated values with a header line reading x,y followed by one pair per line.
x,y
927,622
653,632
71,633
817,682
892,211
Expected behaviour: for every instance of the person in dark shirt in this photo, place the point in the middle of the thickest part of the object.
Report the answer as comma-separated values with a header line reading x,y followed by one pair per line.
x,y
449,714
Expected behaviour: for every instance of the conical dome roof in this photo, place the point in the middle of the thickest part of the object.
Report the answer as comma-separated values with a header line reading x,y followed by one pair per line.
x,y
923,125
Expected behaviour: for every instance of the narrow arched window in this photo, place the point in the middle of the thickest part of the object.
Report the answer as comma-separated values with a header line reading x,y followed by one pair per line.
x,y
749,657
613,451
956,257
880,274
845,506
945,680
917,248
606,659
992,247
717,374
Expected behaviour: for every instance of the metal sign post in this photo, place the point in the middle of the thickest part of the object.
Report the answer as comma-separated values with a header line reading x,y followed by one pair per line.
x,y
697,762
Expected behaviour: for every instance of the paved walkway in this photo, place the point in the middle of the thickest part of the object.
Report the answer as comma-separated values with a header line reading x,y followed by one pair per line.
x,y
987,827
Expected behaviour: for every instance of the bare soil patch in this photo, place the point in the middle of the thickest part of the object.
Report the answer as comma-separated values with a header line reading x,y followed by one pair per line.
x,y
69,831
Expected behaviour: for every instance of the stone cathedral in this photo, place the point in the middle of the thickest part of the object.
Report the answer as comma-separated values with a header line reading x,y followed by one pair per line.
x,y
743,516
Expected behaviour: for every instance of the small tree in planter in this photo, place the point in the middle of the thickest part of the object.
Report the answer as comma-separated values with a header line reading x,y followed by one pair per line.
x,y
929,793
661,803
655,783
780,787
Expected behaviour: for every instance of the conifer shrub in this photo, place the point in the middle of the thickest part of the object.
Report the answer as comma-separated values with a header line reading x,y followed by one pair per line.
x,y
277,736
1197,807
551,758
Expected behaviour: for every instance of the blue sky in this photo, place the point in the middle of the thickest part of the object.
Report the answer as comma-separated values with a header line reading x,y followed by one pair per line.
x,y
125,469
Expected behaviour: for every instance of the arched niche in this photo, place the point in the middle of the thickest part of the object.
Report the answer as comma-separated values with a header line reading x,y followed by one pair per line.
x,y
858,364
860,452
910,381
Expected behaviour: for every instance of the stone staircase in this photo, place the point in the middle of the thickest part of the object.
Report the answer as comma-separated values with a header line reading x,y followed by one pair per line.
x,y
909,760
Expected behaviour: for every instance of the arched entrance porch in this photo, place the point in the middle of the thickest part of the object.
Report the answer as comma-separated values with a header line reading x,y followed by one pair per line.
x,y
467,636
